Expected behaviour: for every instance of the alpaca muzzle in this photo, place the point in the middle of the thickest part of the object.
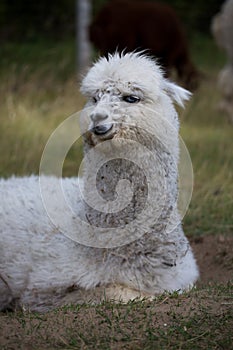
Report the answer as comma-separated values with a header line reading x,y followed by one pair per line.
x,y
100,124
102,129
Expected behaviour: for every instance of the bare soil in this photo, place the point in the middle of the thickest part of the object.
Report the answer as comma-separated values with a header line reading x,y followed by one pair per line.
x,y
214,255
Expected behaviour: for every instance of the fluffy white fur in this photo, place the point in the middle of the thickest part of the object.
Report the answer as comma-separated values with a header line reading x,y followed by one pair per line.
x,y
40,268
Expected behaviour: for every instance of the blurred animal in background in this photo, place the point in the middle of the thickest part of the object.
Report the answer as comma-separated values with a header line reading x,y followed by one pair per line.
x,y
137,25
222,29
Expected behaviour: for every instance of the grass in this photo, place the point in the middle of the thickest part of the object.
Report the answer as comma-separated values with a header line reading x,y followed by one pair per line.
x,y
38,90
208,136
171,321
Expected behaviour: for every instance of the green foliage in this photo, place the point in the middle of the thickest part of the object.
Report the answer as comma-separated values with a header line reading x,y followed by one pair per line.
x,y
30,20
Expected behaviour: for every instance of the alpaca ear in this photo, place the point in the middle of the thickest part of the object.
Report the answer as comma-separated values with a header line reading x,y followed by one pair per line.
x,y
177,93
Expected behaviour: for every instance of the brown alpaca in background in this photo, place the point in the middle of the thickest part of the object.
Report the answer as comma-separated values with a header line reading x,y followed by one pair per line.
x,y
135,25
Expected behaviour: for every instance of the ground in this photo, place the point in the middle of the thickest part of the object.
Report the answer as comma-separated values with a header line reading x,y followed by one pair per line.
x,y
189,318
214,255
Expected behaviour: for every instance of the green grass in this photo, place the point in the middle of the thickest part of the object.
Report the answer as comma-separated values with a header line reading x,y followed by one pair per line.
x,y
38,90
206,56
40,57
209,138
195,320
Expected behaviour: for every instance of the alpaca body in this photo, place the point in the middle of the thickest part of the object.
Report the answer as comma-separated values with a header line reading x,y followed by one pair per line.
x,y
40,267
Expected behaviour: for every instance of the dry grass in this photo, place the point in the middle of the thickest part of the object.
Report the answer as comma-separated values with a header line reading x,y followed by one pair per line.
x,y
35,97
209,138
39,89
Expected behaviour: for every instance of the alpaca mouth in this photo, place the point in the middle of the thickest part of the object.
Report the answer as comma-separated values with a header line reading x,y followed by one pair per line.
x,y
102,129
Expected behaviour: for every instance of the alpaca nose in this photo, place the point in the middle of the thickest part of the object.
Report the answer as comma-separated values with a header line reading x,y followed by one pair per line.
x,y
98,117
99,126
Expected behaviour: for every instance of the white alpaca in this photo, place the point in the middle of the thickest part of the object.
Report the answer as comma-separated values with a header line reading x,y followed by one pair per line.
x,y
40,267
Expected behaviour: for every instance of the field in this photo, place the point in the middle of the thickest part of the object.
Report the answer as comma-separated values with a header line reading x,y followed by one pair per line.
x,y
39,89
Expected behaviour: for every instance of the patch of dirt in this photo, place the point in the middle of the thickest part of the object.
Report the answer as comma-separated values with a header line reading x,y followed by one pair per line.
x,y
214,255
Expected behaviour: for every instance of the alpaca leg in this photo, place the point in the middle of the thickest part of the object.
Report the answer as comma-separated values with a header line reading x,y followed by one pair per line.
x,y
104,293
124,294
6,297
115,293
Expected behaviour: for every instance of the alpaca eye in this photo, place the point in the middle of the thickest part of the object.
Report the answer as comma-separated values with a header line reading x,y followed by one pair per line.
x,y
131,99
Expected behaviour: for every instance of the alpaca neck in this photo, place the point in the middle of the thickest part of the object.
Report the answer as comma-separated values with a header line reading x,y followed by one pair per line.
x,y
113,191
112,169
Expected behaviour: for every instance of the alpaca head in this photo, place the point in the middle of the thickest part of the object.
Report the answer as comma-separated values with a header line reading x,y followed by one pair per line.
x,y
130,131
128,89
